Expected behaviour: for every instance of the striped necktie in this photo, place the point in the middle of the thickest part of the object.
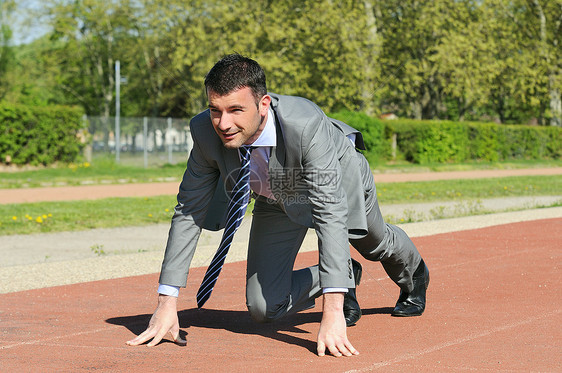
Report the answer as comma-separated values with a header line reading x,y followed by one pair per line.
x,y
236,209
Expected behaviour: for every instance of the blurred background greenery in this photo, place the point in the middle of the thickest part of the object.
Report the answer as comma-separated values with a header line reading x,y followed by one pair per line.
x,y
485,60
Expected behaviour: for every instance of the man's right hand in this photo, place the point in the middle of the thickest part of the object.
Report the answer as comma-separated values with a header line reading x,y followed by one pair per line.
x,y
164,320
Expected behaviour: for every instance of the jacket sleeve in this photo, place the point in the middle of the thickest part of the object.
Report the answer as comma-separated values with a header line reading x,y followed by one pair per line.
x,y
195,193
322,145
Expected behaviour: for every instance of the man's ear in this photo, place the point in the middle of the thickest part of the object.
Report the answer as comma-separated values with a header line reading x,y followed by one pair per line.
x,y
263,105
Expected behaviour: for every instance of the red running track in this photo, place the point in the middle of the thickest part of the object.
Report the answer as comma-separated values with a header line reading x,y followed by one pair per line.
x,y
494,304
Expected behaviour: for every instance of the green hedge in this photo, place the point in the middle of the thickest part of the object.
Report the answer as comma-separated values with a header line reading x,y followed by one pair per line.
x,y
431,141
426,141
372,130
45,135
39,135
444,141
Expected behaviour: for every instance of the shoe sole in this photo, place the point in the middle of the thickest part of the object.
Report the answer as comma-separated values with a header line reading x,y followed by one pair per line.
x,y
406,314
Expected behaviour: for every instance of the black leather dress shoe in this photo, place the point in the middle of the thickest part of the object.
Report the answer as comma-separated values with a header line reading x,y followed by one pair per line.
x,y
351,309
413,304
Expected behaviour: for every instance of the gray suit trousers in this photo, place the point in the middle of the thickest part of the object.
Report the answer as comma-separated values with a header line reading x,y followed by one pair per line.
x,y
274,289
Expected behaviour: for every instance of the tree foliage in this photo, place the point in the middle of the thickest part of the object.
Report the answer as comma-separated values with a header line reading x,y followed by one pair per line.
x,y
464,59
6,52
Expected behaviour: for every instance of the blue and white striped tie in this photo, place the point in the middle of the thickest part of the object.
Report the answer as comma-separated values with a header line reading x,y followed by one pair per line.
x,y
236,209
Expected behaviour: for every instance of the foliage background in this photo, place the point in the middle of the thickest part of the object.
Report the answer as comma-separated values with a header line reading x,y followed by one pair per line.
x,y
40,135
433,142
491,60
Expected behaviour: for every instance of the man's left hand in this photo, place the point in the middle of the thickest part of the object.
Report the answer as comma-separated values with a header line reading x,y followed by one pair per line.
x,y
333,333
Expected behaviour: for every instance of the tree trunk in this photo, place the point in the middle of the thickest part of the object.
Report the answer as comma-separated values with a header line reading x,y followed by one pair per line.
x,y
416,108
153,66
367,91
554,92
555,104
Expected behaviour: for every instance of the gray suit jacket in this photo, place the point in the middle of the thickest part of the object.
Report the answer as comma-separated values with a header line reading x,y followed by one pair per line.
x,y
315,173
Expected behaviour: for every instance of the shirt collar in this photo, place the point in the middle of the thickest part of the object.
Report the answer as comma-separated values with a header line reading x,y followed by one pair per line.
x,y
268,137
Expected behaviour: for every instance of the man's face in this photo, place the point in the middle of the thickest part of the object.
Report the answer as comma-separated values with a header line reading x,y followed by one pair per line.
x,y
236,118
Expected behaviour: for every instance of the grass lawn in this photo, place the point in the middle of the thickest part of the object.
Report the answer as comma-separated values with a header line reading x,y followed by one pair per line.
x,y
120,212
45,217
451,190
104,170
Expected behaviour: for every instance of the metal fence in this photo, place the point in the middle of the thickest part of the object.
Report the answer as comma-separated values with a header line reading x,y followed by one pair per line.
x,y
139,141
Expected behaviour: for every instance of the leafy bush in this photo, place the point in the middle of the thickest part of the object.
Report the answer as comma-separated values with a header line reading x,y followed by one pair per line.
x,y
444,141
483,139
372,129
40,135
529,142
430,141
425,141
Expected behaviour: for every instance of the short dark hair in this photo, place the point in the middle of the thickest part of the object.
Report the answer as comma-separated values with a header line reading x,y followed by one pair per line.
x,y
233,72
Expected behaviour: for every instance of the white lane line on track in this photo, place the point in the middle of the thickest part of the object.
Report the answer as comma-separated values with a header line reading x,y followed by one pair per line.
x,y
454,342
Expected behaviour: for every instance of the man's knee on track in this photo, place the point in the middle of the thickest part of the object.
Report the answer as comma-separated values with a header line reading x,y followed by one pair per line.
x,y
257,312
261,313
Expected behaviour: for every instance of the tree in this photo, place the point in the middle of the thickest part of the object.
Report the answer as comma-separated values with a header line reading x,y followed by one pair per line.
x,y
151,78
546,24
6,52
315,49
512,90
417,37
86,32
333,47
482,66
463,61
528,47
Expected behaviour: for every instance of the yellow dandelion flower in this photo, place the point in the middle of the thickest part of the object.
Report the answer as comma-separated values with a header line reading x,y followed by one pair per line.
x,y
167,210
50,215
14,218
39,219
44,216
86,164
149,215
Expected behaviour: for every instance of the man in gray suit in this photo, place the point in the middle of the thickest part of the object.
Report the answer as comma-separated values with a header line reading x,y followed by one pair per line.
x,y
306,172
